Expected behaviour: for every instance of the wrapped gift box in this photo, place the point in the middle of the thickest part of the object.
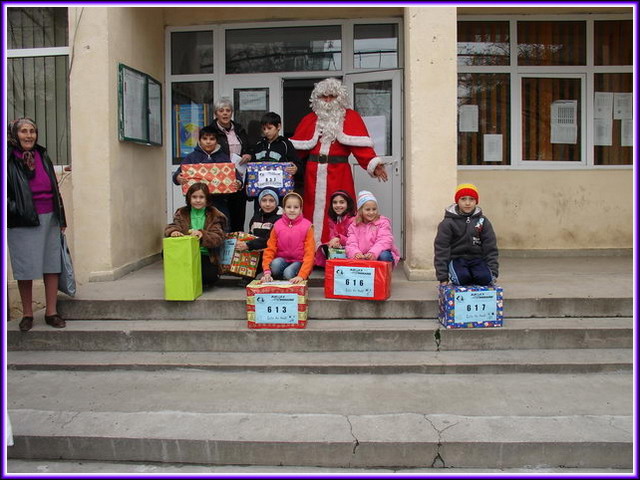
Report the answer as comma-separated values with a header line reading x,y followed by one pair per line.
x,y
278,304
337,253
242,264
182,268
357,279
268,174
471,306
219,177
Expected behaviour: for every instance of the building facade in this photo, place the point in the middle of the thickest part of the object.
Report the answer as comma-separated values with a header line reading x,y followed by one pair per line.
x,y
534,105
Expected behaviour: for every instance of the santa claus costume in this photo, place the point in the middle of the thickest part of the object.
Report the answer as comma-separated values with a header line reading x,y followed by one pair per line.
x,y
326,137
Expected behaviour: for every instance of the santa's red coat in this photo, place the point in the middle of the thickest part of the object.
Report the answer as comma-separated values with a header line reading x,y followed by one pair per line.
x,y
322,179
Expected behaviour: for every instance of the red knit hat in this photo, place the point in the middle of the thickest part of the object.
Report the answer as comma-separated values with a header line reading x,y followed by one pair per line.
x,y
466,190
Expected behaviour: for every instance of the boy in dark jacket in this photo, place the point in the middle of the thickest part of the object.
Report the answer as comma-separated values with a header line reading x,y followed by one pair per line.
x,y
208,150
273,147
466,250
262,221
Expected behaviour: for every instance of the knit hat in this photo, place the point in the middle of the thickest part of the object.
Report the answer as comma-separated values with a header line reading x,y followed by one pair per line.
x,y
268,191
365,196
466,190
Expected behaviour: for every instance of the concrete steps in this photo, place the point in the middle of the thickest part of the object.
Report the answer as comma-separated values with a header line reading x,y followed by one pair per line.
x,y
500,361
367,385
481,421
230,304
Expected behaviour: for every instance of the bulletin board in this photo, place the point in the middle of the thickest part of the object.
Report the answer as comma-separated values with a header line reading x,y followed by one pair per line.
x,y
139,107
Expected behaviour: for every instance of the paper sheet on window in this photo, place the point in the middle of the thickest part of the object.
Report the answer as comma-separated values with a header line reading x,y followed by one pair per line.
x,y
377,128
564,121
468,118
602,131
252,100
603,105
492,146
622,106
626,133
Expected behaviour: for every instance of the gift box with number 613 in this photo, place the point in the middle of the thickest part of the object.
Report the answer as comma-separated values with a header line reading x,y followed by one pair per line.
x,y
357,279
279,304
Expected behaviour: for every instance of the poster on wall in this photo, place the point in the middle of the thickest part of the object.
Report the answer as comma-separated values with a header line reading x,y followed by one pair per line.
x,y
189,119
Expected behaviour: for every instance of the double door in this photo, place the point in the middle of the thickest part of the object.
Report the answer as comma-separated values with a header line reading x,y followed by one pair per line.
x,y
377,96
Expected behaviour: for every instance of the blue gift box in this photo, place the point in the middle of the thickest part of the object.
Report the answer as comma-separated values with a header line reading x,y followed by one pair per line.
x,y
268,174
471,306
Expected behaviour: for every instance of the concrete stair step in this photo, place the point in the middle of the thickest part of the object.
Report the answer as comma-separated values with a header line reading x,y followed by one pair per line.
x,y
322,335
410,420
406,440
467,362
405,302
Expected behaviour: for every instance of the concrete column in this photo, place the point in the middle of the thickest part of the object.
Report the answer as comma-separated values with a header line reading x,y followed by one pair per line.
x,y
430,130
93,114
119,186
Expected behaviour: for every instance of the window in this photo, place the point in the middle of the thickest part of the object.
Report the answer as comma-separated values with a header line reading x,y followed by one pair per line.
x,y
375,46
284,49
191,52
37,78
484,119
536,76
192,109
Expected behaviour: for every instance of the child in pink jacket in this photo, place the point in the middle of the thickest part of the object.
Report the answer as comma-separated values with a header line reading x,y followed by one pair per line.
x,y
370,236
341,212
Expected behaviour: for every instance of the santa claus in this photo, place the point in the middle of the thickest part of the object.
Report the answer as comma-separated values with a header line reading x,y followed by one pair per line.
x,y
325,138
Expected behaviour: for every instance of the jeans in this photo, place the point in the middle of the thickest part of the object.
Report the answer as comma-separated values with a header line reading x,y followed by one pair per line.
x,y
469,271
386,256
280,268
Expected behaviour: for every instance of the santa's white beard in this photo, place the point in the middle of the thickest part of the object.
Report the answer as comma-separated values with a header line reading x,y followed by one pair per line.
x,y
330,119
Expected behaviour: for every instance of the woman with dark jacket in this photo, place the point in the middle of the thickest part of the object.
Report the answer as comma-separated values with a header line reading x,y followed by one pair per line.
x,y
233,140
35,220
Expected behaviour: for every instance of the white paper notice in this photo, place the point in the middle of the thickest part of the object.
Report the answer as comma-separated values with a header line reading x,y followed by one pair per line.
x,y
626,133
492,148
603,105
252,100
468,118
622,106
602,131
377,128
564,122
242,169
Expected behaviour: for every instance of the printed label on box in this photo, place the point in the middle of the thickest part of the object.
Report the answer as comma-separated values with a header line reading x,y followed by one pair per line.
x,y
475,306
277,308
227,251
353,281
270,178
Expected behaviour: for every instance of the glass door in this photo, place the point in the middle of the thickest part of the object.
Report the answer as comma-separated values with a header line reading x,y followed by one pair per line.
x,y
377,97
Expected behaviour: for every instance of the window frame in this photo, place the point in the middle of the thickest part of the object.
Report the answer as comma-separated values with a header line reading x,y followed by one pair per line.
x,y
518,72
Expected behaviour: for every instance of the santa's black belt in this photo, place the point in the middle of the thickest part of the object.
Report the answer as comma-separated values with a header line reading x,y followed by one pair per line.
x,y
329,158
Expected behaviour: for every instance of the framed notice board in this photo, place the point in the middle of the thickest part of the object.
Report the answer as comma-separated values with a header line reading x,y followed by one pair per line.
x,y
139,107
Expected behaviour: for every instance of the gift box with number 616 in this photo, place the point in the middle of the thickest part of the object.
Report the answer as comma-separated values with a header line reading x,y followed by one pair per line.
x,y
357,279
471,306
278,304
268,174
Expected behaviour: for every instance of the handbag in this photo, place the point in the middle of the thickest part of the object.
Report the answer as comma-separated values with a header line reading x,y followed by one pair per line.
x,y
67,281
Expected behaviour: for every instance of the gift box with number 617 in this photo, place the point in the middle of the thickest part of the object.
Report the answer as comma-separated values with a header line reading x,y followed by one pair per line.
x,y
357,279
268,174
471,306
279,304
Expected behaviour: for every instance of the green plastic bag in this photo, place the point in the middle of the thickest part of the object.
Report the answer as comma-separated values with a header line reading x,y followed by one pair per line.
x,y
182,268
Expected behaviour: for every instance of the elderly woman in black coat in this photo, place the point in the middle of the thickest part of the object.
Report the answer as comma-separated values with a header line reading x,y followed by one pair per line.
x,y
35,219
